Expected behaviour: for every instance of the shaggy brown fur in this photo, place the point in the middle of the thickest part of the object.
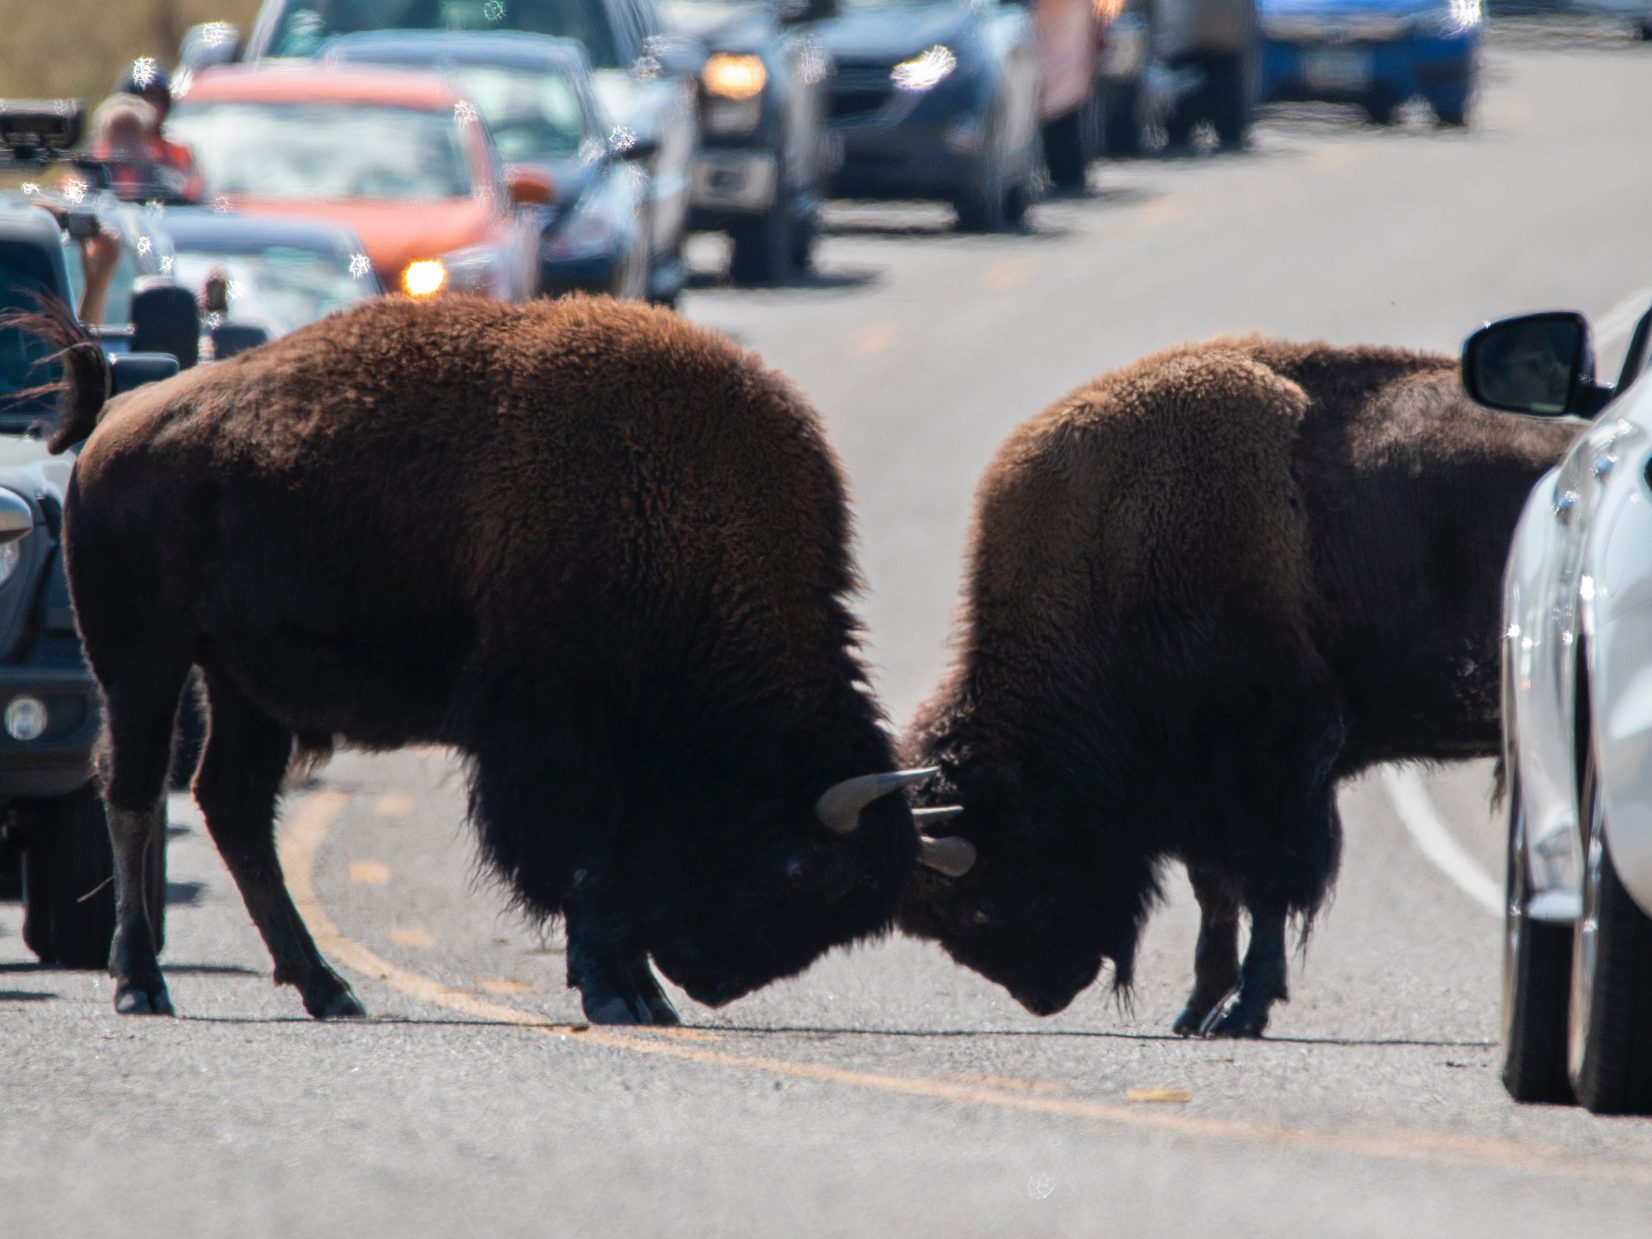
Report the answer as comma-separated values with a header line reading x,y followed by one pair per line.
x,y
602,551
1202,589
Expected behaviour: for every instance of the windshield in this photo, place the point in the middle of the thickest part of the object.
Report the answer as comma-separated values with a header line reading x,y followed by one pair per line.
x,y
23,363
305,24
531,113
324,150
280,287
872,6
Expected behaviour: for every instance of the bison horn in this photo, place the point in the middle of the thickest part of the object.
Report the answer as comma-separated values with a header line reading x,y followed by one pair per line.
x,y
931,817
953,855
840,804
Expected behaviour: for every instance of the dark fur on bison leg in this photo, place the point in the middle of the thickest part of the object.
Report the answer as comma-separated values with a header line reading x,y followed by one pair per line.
x,y
661,1012
1216,957
1261,980
139,987
240,773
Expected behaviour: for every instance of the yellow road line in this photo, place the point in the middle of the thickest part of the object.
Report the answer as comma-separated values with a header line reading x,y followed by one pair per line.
x,y
304,831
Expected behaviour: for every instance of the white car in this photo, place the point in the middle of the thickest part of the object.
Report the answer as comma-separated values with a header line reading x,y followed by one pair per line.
x,y
1577,723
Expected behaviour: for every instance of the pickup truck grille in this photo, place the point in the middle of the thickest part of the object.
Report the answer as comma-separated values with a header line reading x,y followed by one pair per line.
x,y
858,90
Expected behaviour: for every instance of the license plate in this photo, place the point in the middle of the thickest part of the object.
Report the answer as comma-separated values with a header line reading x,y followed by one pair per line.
x,y
1337,68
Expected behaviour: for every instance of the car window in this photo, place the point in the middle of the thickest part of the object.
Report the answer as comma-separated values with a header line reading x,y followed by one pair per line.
x,y
324,150
280,287
117,301
23,276
305,24
531,113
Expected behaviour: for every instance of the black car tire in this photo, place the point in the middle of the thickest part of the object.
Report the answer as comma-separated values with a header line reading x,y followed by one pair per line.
x,y
1227,97
763,245
68,882
805,232
1609,1046
1451,118
1072,141
1121,120
1537,979
1380,106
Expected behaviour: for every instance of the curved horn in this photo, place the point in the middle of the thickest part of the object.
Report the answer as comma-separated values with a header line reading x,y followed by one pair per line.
x,y
953,855
840,804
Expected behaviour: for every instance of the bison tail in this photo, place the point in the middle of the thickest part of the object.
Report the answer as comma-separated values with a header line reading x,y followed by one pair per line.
x,y
87,378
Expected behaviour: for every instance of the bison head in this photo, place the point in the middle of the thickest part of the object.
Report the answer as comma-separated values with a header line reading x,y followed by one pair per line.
x,y
1041,907
805,878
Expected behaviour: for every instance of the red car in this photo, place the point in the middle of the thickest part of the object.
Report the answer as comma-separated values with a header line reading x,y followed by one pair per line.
x,y
398,156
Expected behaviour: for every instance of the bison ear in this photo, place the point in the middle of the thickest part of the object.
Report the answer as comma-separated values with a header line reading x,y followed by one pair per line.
x,y
953,856
840,804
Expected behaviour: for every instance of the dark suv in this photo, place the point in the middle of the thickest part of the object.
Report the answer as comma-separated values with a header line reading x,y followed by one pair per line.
x,y
50,816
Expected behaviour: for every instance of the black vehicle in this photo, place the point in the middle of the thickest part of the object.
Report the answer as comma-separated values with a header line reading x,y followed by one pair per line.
x,y
534,92
765,154
937,99
50,814
643,79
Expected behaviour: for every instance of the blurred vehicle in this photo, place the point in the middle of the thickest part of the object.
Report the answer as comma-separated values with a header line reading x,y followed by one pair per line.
x,y
1638,13
937,99
51,818
259,277
643,79
1376,53
400,157
534,92
765,153
1208,51
1577,722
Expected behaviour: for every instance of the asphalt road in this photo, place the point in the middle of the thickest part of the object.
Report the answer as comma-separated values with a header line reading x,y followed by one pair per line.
x,y
887,1092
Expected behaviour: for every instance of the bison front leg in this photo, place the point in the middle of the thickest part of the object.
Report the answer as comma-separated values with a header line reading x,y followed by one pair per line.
x,y
612,988
1216,957
1261,980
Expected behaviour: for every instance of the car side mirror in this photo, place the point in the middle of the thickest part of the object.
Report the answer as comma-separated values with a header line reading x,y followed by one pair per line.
x,y
165,319
130,370
529,186
16,517
1542,365
636,150
228,339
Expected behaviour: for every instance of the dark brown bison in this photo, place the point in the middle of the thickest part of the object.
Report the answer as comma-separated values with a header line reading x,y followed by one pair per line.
x,y
1201,590
601,552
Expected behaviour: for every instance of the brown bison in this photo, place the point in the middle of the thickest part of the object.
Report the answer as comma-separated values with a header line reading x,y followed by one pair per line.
x,y
1201,590
601,552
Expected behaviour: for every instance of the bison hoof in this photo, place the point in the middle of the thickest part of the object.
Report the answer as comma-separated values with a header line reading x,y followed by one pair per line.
x,y
1239,1023
610,1009
133,999
345,1006
662,1013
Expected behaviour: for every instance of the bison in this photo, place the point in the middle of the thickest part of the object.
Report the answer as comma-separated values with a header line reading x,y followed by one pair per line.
x,y
1201,591
602,553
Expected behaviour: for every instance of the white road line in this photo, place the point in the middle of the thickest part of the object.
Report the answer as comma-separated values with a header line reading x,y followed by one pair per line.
x,y
1416,810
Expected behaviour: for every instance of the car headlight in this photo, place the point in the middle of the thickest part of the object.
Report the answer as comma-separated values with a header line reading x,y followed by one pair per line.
x,y
590,232
734,77
924,72
423,278
1454,18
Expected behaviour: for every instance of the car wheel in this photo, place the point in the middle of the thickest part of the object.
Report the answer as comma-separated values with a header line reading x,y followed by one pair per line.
x,y
68,883
805,232
1609,1042
763,246
1227,98
981,206
1537,975
1380,106
1451,116
1121,120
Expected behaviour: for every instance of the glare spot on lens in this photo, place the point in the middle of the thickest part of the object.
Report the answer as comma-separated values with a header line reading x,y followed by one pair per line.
x,y
26,718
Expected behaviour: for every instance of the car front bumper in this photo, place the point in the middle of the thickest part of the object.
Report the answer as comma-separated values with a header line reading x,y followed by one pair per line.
x,y
1441,69
60,761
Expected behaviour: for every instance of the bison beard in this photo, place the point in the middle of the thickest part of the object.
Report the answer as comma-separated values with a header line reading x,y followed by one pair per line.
x,y
1201,591
600,552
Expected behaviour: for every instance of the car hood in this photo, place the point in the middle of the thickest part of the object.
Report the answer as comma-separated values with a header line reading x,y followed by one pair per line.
x,y
393,233
721,27
888,36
